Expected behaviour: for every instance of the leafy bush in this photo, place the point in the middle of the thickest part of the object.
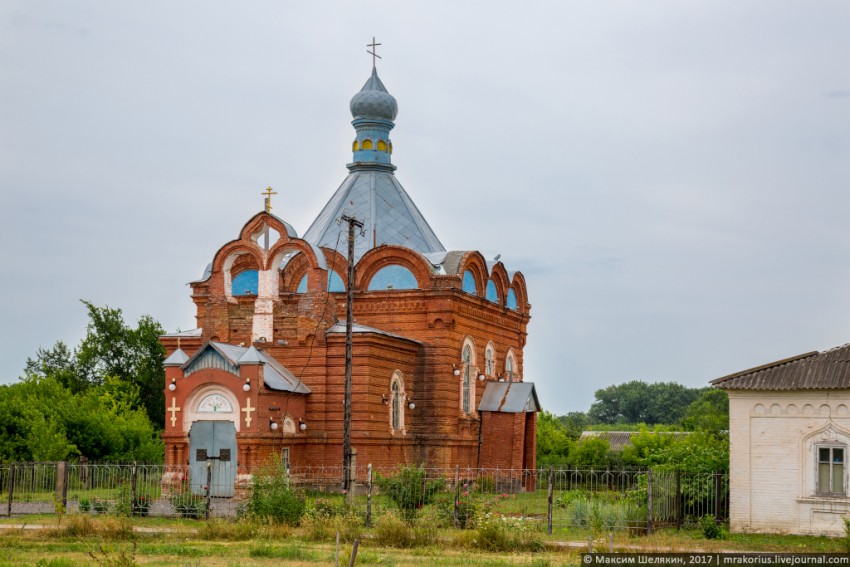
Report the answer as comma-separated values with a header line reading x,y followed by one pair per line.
x,y
85,504
710,528
272,499
324,508
503,533
410,490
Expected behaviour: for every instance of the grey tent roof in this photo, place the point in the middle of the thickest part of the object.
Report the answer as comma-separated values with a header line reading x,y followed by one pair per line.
x,y
189,333
829,369
509,397
275,375
389,216
176,358
339,327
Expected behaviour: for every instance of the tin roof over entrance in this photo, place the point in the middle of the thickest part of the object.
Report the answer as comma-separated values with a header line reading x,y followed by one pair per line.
x,y
509,397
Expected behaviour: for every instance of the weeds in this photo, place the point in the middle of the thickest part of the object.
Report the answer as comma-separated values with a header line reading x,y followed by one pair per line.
x,y
110,559
272,499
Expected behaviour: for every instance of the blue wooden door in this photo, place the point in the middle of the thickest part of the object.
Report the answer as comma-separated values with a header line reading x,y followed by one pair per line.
x,y
213,444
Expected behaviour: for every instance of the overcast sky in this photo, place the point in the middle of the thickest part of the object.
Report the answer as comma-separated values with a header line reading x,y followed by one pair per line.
x,y
673,178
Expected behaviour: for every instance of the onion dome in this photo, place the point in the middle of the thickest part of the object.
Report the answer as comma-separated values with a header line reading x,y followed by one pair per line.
x,y
374,101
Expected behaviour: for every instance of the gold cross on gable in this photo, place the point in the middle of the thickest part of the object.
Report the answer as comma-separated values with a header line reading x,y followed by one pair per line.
x,y
173,409
268,193
373,53
248,409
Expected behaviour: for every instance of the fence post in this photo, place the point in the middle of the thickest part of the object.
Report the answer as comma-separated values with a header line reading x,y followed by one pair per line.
x,y
717,496
369,497
649,501
678,500
457,494
11,488
352,476
209,489
549,511
62,483
133,489
84,472
569,479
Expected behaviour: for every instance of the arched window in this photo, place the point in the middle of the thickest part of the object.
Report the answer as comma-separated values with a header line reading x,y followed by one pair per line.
x,y
489,360
396,407
366,145
467,382
335,282
397,400
354,146
382,146
246,283
510,367
469,283
511,301
492,294
302,285
393,277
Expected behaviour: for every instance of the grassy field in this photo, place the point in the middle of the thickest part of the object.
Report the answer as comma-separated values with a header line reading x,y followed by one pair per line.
x,y
84,540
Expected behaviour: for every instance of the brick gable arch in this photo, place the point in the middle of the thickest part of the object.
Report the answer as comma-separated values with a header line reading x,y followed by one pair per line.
x,y
306,263
225,259
500,277
255,224
388,255
477,266
338,264
291,275
521,291
275,254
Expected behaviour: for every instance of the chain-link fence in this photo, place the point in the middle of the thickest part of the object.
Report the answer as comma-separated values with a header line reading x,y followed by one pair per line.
x,y
553,497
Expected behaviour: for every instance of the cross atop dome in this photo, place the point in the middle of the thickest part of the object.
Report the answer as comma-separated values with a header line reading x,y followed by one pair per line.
x,y
374,52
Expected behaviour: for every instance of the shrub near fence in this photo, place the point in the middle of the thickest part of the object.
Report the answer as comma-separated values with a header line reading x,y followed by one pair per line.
x,y
564,497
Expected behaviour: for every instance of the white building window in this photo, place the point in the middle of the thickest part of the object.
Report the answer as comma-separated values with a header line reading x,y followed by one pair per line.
x,y
831,470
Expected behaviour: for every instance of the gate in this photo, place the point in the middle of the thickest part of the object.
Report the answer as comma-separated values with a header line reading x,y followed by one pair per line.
x,y
213,444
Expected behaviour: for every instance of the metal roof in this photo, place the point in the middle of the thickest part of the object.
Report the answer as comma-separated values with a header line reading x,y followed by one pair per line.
x,y
829,369
275,375
339,327
189,333
176,358
509,397
388,214
619,439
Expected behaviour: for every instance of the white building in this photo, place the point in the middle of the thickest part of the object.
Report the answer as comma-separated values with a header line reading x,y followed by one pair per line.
x,y
789,427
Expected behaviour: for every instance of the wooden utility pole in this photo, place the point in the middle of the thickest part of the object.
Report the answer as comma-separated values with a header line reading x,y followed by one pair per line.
x,y
349,300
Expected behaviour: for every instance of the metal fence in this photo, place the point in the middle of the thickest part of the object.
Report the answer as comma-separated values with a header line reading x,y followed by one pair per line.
x,y
551,498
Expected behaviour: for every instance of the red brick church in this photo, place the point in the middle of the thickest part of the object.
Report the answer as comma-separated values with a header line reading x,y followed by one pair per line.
x,y
437,337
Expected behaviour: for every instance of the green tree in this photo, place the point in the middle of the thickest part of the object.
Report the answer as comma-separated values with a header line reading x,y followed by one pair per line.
x,y
60,363
133,355
591,453
639,402
575,422
710,412
553,440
